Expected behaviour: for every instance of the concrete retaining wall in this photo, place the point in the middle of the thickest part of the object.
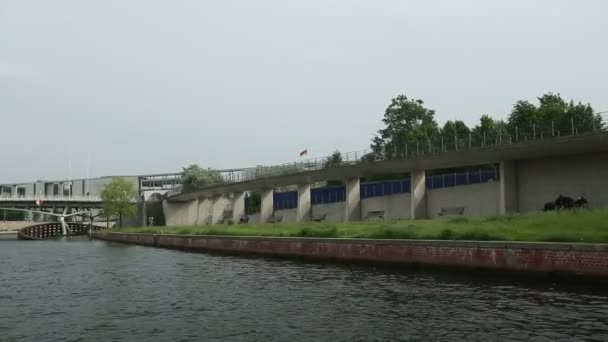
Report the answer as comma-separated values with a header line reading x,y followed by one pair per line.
x,y
395,207
476,199
336,212
583,259
542,180
289,215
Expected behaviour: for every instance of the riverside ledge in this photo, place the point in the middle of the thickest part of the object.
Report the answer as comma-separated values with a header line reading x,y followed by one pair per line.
x,y
561,258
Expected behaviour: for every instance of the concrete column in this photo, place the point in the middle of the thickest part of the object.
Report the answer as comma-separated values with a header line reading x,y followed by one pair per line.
x,y
267,205
418,194
353,200
238,206
205,209
197,216
304,203
507,193
217,210
144,212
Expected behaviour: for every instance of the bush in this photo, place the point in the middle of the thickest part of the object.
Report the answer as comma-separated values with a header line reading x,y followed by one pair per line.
x,y
446,234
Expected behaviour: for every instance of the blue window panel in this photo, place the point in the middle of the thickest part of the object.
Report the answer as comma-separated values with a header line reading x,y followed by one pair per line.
x,y
474,178
487,176
328,195
407,187
285,200
461,179
386,188
428,182
449,180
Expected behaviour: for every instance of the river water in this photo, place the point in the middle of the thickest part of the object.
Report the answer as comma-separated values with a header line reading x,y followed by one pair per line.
x,y
81,290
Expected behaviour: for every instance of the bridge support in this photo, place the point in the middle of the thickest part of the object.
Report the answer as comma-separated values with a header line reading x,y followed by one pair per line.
x,y
217,209
304,203
267,205
418,195
353,200
205,209
238,206
507,193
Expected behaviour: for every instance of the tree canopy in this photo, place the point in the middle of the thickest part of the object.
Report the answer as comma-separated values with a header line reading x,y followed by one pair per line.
x,y
194,177
334,160
411,127
118,198
408,123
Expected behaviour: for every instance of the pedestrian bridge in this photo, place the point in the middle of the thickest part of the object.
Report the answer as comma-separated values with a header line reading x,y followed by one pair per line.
x,y
53,230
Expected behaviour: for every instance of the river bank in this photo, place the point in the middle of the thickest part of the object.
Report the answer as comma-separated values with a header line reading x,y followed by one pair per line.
x,y
558,258
587,226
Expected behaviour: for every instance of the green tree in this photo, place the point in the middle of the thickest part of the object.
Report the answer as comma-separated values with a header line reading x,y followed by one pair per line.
x,y
489,132
455,134
409,125
195,177
119,198
552,116
334,160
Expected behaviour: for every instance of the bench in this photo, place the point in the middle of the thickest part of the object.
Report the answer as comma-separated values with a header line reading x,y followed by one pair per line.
x,y
244,219
451,211
319,218
375,215
275,219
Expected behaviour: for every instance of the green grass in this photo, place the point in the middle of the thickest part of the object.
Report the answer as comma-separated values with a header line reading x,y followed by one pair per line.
x,y
574,226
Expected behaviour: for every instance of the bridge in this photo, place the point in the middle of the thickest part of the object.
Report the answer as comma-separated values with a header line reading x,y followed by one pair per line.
x,y
53,230
574,161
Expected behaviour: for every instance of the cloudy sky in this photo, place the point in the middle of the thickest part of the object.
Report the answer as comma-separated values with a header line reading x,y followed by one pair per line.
x,y
145,86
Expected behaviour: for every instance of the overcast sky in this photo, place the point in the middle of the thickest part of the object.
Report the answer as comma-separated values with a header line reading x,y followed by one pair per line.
x,y
151,86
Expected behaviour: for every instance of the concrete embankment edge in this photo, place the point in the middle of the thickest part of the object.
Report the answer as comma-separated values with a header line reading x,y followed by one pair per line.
x,y
561,258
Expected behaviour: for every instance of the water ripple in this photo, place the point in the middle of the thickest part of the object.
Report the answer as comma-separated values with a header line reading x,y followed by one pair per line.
x,y
84,290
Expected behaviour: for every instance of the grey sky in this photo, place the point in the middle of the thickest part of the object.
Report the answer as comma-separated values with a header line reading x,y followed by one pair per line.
x,y
150,86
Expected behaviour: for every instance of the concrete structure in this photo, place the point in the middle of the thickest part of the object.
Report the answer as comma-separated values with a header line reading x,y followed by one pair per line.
x,y
393,207
530,174
353,200
474,200
418,197
562,258
304,210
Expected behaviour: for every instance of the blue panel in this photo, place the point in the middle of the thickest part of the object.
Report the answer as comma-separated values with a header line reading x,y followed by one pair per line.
x,y
449,179
328,195
474,178
461,179
428,182
488,175
285,200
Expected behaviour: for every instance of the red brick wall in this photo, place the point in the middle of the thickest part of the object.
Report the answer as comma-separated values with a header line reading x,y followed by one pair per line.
x,y
587,259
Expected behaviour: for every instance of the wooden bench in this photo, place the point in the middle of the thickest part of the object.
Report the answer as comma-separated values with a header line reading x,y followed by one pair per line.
x,y
375,215
319,218
275,219
451,211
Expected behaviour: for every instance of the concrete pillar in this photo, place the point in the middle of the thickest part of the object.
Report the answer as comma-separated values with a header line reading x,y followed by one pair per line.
x,y
197,217
144,212
205,209
217,210
304,204
238,206
353,200
418,194
267,205
507,193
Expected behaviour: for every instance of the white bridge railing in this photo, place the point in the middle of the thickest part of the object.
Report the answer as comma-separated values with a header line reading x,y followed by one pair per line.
x,y
50,198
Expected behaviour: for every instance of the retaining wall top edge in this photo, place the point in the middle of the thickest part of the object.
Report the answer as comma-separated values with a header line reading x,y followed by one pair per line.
x,y
437,243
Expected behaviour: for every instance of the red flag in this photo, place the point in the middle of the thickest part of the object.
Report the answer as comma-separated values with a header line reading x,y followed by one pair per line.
x,y
303,153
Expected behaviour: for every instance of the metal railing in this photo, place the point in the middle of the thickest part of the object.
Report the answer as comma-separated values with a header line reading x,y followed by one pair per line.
x,y
29,198
423,147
